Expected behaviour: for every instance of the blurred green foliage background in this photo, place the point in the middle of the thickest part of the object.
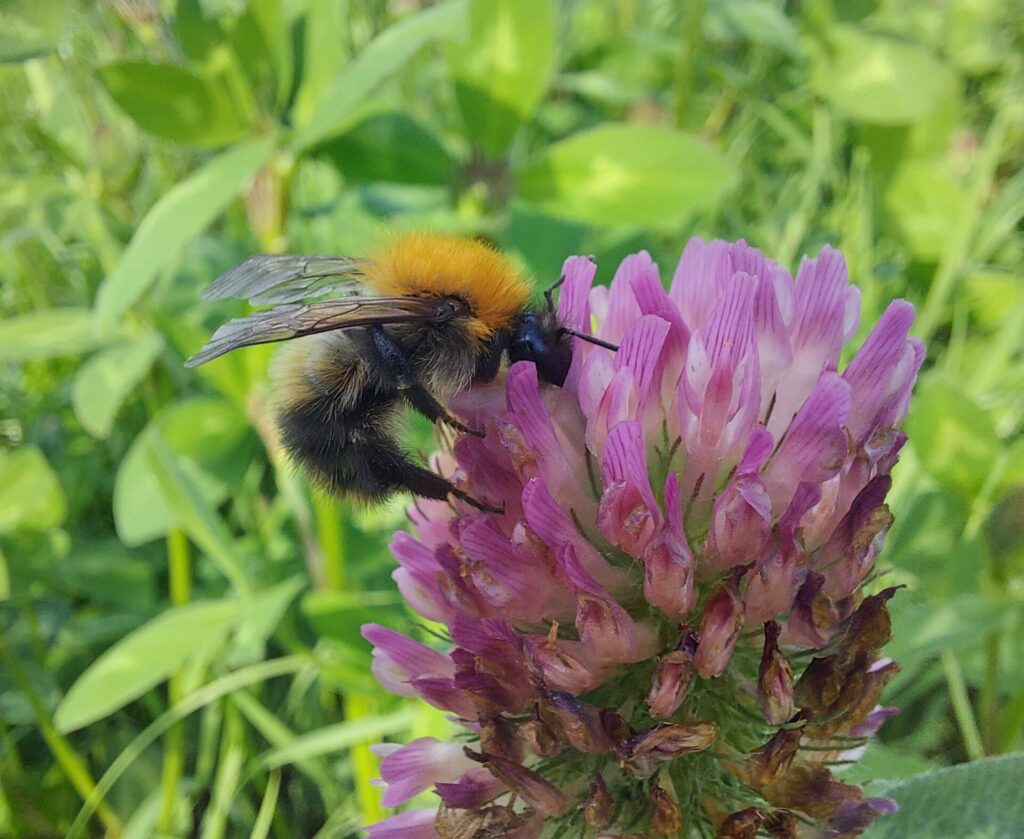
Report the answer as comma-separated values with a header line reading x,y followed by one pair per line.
x,y
179,614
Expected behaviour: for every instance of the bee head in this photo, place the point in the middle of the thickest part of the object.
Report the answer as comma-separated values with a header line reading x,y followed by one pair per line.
x,y
540,338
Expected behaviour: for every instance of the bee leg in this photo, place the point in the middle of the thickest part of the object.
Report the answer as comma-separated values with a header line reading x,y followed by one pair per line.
x,y
394,361
418,396
549,292
427,484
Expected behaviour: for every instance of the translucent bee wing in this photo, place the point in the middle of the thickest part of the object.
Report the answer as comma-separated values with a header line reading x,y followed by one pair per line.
x,y
294,321
272,279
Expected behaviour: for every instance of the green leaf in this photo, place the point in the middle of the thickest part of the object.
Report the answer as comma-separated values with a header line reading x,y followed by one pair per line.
x,y
955,439
47,334
263,42
634,175
31,497
925,203
29,28
208,435
342,735
197,516
106,379
503,70
180,215
979,800
260,618
383,56
340,614
393,148
176,104
873,78
757,21
142,660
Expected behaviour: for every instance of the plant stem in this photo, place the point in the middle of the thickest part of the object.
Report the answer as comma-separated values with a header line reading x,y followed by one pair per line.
x,y
179,577
989,702
72,764
365,767
969,732
330,527
693,18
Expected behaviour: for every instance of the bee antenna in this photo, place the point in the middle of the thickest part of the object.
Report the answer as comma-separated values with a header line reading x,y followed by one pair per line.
x,y
590,339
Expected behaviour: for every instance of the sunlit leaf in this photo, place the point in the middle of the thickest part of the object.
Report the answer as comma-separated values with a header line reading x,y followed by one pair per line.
x,y
208,434
142,660
874,78
176,104
502,71
173,222
106,379
925,203
47,334
384,55
29,28
31,497
979,800
627,175
955,439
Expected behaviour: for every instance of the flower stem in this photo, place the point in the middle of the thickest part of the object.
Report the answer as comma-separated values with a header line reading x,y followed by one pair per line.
x,y
179,578
969,732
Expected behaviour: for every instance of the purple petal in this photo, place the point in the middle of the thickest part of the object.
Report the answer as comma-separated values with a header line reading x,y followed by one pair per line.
x,y
703,268
553,526
418,766
641,352
417,577
606,629
668,560
623,310
883,367
628,514
397,659
514,582
826,306
471,791
573,306
815,444
412,824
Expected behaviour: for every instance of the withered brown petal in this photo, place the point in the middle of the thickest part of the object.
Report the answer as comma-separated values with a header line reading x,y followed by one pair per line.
x,y
599,808
812,789
742,824
666,817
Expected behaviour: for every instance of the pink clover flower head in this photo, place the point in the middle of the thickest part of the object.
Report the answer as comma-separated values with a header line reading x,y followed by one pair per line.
x,y
671,601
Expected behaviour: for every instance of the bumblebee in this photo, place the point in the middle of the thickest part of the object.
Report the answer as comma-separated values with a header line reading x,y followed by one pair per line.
x,y
420,320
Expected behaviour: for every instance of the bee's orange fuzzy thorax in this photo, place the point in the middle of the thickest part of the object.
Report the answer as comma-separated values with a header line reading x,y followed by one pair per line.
x,y
438,264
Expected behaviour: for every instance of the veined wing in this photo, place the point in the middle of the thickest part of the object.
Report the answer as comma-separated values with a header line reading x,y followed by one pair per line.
x,y
294,321
272,279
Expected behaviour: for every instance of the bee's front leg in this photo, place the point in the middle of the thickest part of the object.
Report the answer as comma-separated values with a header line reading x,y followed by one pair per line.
x,y
394,360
